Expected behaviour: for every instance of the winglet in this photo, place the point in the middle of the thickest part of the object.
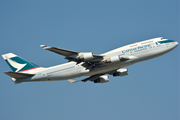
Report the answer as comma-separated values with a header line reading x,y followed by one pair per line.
x,y
44,46
72,81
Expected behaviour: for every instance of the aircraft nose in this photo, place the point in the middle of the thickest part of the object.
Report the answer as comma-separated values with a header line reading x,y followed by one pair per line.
x,y
177,43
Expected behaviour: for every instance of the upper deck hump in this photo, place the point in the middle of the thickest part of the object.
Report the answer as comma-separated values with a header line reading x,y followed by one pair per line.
x,y
134,45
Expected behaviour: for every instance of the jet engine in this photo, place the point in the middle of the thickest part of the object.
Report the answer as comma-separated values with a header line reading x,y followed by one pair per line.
x,y
112,59
86,56
121,72
102,79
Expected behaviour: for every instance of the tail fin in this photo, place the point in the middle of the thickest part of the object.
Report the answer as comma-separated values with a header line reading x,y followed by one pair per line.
x,y
18,64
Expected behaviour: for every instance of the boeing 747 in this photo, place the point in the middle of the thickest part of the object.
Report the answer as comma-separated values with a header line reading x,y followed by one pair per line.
x,y
88,64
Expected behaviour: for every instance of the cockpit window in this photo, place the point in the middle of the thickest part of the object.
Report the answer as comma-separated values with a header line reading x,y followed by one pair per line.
x,y
165,41
162,38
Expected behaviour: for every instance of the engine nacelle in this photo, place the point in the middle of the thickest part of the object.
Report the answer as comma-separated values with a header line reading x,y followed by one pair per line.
x,y
121,72
86,56
113,59
102,79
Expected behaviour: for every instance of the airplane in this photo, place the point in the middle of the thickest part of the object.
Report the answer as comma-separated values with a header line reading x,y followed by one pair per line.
x,y
88,64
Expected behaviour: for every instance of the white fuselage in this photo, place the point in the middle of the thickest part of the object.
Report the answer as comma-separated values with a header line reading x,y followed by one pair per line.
x,y
136,52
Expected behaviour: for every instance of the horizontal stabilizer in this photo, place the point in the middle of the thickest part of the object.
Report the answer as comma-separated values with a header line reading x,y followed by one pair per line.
x,y
18,82
18,75
73,81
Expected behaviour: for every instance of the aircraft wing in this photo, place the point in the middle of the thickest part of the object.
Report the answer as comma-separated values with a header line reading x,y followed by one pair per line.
x,y
73,55
102,78
91,78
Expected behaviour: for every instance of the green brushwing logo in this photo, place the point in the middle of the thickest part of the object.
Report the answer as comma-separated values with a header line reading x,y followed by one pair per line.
x,y
18,64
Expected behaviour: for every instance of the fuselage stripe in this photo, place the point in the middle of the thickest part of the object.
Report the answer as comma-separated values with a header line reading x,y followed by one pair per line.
x,y
30,69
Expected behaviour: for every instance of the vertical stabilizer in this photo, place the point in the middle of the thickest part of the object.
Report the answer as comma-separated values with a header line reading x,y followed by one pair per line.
x,y
18,64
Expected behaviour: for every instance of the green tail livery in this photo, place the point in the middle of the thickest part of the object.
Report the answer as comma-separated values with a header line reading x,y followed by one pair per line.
x,y
18,64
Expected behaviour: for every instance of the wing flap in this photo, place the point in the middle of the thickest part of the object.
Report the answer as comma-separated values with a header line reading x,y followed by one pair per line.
x,y
18,75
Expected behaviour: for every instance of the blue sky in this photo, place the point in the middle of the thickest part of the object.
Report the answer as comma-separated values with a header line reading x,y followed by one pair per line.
x,y
149,92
